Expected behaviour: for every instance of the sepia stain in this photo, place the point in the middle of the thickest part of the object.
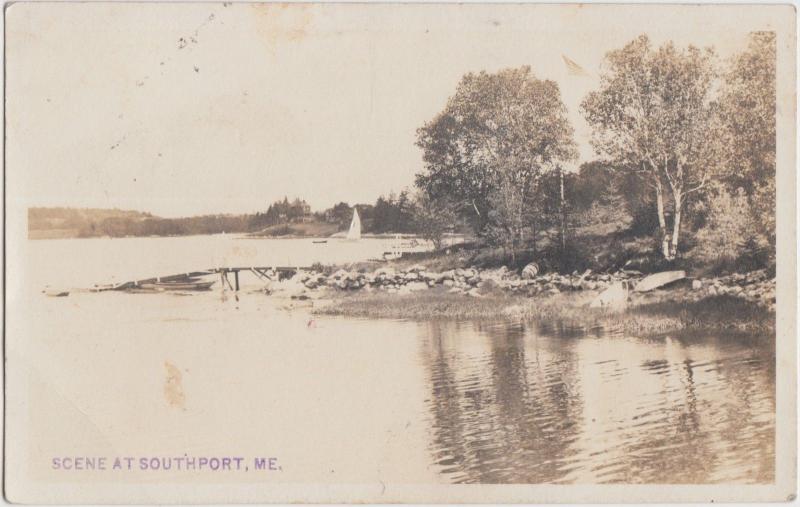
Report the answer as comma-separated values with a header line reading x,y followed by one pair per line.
x,y
281,22
173,386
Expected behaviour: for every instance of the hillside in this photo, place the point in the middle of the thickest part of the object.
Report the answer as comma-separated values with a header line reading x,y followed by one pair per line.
x,y
50,223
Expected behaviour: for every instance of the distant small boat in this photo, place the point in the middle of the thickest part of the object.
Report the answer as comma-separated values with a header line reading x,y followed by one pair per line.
x,y
354,233
657,280
319,241
180,285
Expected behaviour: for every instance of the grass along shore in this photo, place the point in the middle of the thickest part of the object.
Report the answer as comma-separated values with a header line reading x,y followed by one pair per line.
x,y
649,316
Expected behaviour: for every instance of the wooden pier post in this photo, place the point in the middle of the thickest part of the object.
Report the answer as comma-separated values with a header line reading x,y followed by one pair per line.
x,y
236,279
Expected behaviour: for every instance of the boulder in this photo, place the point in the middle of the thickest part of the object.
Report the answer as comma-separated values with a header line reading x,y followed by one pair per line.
x,y
448,275
341,274
697,285
384,273
415,286
530,271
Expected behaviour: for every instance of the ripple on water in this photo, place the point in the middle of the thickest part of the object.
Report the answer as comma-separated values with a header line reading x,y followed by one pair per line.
x,y
531,404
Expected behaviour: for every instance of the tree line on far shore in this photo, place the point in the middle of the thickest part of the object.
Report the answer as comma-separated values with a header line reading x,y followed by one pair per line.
x,y
394,213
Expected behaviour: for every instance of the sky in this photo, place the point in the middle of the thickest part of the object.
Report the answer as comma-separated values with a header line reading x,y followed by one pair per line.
x,y
187,108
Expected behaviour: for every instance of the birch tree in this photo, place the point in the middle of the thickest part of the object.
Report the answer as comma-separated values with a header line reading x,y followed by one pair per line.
x,y
653,115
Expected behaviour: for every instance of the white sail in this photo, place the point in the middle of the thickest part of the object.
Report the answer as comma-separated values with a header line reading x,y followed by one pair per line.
x,y
354,233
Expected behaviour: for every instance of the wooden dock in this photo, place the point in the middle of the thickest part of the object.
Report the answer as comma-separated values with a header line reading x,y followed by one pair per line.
x,y
264,273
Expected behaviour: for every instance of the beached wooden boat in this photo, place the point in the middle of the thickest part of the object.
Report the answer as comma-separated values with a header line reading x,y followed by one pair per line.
x,y
179,285
318,241
657,280
56,293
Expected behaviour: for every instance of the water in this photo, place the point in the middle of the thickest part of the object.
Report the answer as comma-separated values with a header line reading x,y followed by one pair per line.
x,y
360,401
516,403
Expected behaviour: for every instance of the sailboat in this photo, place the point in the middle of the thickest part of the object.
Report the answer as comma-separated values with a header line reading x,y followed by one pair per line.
x,y
354,234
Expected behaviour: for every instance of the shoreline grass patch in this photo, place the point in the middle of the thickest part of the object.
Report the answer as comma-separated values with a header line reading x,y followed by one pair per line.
x,y
710,313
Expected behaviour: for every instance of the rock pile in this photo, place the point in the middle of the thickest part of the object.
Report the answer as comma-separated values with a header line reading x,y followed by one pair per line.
x,y
470,281
755,286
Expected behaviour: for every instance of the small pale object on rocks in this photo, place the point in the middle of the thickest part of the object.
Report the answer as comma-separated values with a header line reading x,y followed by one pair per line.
x,y
530,271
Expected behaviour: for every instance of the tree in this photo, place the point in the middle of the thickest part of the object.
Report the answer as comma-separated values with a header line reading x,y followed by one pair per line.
x,y
653,116
340,214
747,113
730,234
510,216
433,218
508,126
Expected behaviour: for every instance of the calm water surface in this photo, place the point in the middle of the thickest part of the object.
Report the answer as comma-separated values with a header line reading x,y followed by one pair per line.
x,y
340,400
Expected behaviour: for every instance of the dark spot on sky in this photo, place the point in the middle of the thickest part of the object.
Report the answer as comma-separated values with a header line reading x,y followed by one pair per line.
x,y
115,145
196,68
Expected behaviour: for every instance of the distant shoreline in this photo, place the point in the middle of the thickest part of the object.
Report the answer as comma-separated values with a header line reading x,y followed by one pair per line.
x,y
69,234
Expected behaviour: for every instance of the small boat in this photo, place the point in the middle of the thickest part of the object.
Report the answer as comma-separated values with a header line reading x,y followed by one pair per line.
x,y
319,241
55,293
354,233
179,285
657,280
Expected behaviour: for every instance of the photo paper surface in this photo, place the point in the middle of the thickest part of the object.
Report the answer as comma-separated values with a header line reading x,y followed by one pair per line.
x,y
329,252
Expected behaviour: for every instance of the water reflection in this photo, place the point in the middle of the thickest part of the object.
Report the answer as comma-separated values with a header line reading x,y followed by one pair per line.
x,y
517,403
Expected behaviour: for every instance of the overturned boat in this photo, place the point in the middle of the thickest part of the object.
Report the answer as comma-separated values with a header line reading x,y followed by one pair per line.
x,y
657,280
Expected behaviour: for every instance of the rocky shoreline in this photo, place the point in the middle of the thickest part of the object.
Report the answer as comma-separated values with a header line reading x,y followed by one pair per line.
x,y
756,286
